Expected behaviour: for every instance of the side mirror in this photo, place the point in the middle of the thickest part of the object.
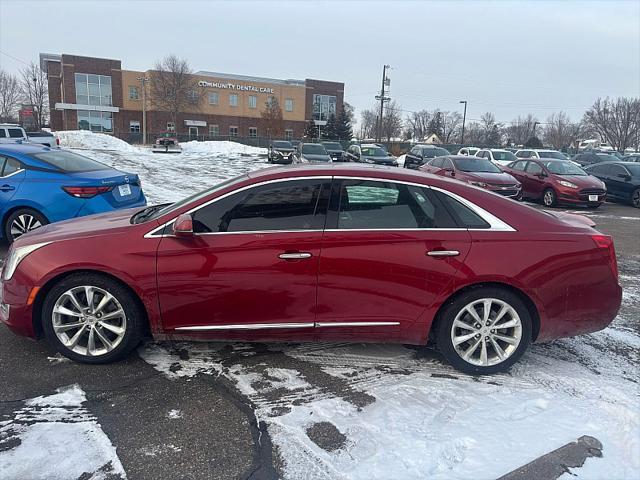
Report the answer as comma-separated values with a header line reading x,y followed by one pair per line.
x,y
183,226
542,175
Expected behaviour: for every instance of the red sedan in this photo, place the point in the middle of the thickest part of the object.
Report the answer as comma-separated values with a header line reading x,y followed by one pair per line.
x,y
332,253
557,181
477,171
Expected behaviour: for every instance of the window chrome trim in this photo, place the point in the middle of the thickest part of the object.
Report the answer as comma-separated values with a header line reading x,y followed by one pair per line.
x,y
264,326
495,224
14,173
355,324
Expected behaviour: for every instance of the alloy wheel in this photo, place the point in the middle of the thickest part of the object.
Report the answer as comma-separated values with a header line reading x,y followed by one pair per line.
x,y
548,198
635,198
486,332
89,321
24,223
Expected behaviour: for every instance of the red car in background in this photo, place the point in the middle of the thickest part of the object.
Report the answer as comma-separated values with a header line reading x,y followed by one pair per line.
x,y
557,181
477,171
331,252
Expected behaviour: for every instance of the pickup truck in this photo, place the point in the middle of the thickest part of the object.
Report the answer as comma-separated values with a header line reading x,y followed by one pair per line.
x,y
11,133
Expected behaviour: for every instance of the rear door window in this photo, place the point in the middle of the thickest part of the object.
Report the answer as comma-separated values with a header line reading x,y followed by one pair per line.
x,y
436,162
8,166
534,169
15,133
519,165
3,133
464,216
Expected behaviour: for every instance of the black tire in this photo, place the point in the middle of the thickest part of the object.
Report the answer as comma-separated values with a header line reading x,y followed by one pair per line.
x,y
22,216
445,327
135,319
549,198
635,198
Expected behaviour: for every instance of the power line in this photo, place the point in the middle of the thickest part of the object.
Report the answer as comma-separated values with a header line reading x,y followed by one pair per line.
x,y
15,58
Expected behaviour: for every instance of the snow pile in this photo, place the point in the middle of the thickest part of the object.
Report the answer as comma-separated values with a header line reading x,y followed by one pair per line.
x,y
90,140
221,148
55,438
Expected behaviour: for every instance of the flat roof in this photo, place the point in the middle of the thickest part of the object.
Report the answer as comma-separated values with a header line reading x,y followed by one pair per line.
x,y
248,78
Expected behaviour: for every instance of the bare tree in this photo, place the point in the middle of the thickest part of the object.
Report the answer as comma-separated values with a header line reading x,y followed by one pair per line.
x,y
34,85
392,121
521,129
451,125
173,87
491,130
560,131
616,121
368,123
416,124
10,95
272,116
474,134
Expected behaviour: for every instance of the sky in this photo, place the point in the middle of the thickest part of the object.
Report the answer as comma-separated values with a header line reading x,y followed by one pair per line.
x,y
506,57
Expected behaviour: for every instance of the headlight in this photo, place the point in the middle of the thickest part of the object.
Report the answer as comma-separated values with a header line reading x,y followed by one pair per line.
x,y
16,255
564,183
479,184
369,160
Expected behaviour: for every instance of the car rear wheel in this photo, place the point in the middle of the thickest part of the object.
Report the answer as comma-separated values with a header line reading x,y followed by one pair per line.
x,y
91,318
484,331
22,221
549,198
635,198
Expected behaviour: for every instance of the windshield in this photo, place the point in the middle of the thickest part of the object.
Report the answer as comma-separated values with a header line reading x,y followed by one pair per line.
x,y
507,156
551,154
475,164
373,152
282,145
633,169
564,168
332,145
605,157
313,149
435,152
69,161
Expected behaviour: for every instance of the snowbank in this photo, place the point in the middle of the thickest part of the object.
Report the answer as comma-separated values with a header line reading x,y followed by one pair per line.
x,y
221,148
98,141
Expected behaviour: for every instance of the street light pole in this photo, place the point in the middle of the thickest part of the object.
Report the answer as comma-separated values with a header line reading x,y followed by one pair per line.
x,y
535,124
464,118
143,81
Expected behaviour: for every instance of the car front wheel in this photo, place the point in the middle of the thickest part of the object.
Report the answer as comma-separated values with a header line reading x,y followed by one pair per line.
x,y
549,198
22,221
91,318
635,198
484,331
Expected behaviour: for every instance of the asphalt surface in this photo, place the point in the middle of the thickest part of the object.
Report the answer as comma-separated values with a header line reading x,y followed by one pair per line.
x,y
218,432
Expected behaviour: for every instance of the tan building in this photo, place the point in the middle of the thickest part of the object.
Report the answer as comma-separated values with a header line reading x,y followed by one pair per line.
x,y
96,94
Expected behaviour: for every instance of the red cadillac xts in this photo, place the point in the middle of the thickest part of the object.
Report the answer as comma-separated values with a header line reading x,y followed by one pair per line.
x,y
330,252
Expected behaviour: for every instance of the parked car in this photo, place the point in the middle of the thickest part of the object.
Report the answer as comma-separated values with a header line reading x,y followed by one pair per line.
x,y
468,150
40,185
614,153
634,157
312,153
265,257
370,153
47,139
166,142
593,157
420,154
281,151
557,182
12,133
540,153
335,150
480,172
498,156
621,178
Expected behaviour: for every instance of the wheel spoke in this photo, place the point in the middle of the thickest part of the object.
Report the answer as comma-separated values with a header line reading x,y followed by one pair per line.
x,y
471,350
74,300
483,352
509,340
487,310
472,311
116,314
106,298
463,338
59,309
501,353
73,341
91,342
105,341
88,291
508,324
112,328
29,222
67,326
465,326
504,309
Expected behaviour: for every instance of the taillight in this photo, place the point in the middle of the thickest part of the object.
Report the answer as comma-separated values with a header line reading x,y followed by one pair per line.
x,y
86,192
57,141
606,243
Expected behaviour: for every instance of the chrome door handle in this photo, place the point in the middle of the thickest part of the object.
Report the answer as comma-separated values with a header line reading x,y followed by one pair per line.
x,y
294,256
443,253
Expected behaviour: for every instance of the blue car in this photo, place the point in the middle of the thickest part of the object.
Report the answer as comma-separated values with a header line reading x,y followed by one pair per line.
x,y
40,185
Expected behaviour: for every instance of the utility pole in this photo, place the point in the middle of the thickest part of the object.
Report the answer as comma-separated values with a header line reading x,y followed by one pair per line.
x,y
535,124
464,118
382,98
143,81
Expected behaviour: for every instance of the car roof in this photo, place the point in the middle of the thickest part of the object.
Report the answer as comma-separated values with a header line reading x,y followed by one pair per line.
x,y
25,148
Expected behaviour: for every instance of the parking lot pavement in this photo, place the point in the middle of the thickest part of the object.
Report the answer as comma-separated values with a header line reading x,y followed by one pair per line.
x,y
326,411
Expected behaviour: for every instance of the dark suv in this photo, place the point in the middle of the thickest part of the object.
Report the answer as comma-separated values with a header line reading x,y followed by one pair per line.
x,y
421,154
335,150
370,153
591,158
280,151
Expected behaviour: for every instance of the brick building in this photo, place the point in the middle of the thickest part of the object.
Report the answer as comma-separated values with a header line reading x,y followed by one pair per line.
x,y
97,94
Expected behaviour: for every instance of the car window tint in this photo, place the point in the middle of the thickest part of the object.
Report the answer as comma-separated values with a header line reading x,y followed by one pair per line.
x,y
10,166
281,206
519,165
600,169
15,133
69,161
465,217
615,170
533,168
447,164
366,204
436,162
3,133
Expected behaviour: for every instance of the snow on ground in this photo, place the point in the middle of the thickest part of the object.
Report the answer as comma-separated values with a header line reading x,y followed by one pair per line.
x,y
55,438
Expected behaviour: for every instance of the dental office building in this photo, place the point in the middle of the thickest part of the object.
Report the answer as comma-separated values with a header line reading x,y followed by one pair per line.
x,y
97,94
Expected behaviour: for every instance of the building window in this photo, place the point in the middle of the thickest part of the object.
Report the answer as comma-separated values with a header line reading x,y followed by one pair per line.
x,y
192,97
288,104
288,134
214,131
233,99
133,93
253,101
233,131
134,126
253,132
171,127
93,90
324,106
213,98
95,121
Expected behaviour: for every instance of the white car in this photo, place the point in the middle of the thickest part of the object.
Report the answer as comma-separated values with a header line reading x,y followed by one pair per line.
x,y
11,133
498,156
468,151
541,153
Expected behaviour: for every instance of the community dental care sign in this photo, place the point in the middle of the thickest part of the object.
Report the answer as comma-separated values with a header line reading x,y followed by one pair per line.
x,y
234,86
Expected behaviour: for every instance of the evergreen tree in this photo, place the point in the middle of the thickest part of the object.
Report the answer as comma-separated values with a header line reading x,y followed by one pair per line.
x,y
272,116
436,125
343,127
311,131
330,129
533,142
